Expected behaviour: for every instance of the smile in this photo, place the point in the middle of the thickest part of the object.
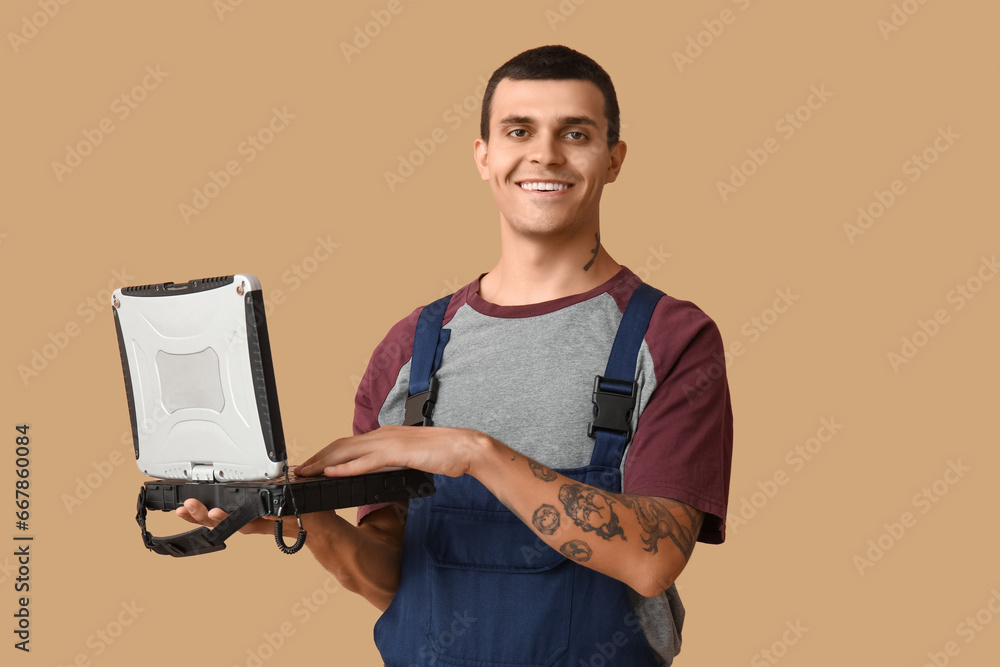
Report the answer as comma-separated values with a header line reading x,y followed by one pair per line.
x,y
544,186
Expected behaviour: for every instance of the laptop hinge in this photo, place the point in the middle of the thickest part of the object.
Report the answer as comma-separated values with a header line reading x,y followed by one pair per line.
x,y
202,472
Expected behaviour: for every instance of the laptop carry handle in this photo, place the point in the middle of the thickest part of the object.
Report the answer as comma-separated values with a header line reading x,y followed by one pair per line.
x,y
201,540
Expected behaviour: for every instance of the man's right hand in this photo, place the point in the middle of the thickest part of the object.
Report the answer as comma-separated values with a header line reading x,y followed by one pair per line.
x,y
193,511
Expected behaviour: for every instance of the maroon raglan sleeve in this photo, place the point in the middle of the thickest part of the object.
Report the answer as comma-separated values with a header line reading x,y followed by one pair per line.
x,y
683,444
379,379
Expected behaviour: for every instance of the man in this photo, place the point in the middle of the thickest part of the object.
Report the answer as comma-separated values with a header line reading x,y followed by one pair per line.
x,y
542,545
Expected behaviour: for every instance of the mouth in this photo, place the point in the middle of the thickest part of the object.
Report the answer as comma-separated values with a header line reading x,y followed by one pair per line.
x,y
544,186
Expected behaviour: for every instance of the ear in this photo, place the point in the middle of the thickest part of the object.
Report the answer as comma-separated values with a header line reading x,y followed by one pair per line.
x,y
617,157
482,161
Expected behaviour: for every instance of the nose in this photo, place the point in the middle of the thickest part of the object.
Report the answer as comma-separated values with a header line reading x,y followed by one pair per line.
x,y
546,149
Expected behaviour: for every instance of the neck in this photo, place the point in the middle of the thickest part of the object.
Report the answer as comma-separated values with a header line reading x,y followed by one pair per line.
x,y
532,270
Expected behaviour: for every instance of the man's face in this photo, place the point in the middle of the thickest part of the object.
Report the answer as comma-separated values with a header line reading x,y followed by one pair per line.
x,y
548,159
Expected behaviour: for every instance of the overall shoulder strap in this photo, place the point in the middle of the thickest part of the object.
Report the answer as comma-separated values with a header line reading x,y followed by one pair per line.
x,y
429,341
614,394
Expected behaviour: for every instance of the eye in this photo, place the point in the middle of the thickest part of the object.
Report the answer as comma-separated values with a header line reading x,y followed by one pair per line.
x,y
518,133
576,136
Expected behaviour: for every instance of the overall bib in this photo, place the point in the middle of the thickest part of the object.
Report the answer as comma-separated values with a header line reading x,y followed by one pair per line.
x,y
478,587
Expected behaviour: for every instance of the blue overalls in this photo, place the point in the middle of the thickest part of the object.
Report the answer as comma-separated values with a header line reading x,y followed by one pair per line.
x,y
478,587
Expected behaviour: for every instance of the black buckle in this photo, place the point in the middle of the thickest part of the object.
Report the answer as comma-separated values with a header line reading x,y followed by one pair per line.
x,y
420,407
612,410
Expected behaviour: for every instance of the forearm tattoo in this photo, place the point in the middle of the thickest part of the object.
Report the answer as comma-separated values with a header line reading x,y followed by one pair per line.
x,y
591,509
597,248
577,550
546,520
658,518
541,472
594,511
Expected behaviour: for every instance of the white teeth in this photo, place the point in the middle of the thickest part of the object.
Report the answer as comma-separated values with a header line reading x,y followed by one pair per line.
x,y
544,186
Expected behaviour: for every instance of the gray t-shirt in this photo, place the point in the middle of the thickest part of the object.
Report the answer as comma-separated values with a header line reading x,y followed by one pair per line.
x,y
525,374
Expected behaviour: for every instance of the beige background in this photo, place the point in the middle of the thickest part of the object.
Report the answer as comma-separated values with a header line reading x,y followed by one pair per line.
x,y
66,237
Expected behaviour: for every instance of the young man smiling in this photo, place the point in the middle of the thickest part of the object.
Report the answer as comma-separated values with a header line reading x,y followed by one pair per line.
x,y
551,154
565,507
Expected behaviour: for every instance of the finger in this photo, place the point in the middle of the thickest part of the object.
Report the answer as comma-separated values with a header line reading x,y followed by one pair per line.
x,y
309,461
195,512
320,461
304,470
336,445
217,515
183,513
311,466
374,443
383,441
358,466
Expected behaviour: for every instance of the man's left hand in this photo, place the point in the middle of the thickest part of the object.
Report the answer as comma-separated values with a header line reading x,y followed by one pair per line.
x,y
433,449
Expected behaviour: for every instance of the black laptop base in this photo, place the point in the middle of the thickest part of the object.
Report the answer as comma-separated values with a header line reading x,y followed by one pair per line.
x,y
246,501
311,494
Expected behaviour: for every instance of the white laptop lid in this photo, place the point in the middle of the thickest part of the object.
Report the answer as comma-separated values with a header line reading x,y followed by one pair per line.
x,y
199,379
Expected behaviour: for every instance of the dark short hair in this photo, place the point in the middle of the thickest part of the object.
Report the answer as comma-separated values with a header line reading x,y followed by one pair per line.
x,y
548,63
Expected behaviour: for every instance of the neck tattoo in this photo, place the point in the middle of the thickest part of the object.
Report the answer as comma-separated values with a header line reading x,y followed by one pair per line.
x,y
597,237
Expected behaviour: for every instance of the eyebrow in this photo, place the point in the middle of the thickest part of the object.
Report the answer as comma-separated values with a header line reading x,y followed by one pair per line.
x,y
565,120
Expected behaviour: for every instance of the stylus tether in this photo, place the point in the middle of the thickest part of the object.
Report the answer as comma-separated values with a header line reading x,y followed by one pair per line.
x,y
279,537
